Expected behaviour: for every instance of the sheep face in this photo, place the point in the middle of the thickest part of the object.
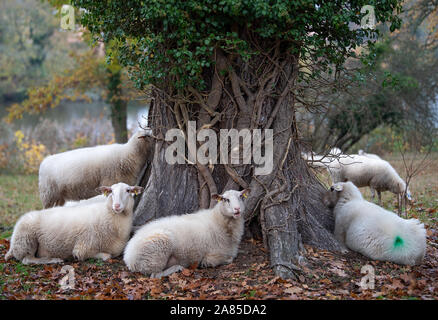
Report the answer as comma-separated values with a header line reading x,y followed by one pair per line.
x,y
331,197
345,190
231,202
121,195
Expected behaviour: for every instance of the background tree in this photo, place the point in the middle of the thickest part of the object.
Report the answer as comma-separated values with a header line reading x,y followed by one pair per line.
x,y
397,88
235,64
25,34
90,73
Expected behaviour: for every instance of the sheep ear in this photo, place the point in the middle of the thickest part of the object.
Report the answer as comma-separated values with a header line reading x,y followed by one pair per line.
x,y
339,187
136,190
216,197
245,192
104,190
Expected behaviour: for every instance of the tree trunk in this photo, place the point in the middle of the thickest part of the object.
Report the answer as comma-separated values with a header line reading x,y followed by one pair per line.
x,y
253,94
119,107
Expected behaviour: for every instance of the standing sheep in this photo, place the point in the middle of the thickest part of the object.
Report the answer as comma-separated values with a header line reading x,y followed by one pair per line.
x,y
93,230
369,155
373,231
377,174
209,237
75,174
364,171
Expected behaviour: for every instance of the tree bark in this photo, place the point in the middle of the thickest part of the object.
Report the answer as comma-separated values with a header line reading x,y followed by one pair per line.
x,y
119,107
254,94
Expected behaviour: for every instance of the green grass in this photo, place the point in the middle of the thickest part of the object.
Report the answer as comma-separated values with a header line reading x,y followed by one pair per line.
x,y
18,195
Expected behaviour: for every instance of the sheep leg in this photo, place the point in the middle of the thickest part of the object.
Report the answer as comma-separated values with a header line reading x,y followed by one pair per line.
x,y
80,251
340,236
102,255
399,204
379,195
214,259
168,271
34,260
373,193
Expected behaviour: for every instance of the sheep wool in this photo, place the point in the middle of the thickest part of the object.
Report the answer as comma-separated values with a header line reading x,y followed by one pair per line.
x,y
373,231
209,237
92,230
75,174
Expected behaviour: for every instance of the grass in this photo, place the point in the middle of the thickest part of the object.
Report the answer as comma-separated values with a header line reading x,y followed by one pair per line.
x,y
18,195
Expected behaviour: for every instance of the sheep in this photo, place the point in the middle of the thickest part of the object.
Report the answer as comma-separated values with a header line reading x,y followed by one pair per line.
x,y
93,230
369,155
96,199
377,174
377,233
363,171
210,237
75,174
322,161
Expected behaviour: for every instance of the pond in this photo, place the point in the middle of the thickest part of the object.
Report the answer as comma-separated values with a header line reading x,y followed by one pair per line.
x,y
68,113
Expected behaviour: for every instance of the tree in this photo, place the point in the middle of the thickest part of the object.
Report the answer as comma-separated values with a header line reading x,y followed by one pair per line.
x,y
25,31
90,72
235,64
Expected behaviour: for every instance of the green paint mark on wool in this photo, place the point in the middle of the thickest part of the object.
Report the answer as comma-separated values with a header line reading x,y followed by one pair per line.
x,y
398,242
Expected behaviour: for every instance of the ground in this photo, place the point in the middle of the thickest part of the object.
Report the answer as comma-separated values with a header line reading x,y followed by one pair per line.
x,y
326,275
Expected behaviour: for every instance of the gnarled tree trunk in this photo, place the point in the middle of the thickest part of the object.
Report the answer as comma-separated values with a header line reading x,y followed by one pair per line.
x,y
253,94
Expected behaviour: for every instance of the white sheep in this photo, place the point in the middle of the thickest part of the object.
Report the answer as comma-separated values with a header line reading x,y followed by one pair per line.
x,y
363,171
322,161
377,233
93,230
75,174
96,199
369,155
209,237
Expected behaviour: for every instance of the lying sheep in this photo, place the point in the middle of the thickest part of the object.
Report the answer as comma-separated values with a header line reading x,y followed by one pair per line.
x,y
209,237
373,231
93,230
75,174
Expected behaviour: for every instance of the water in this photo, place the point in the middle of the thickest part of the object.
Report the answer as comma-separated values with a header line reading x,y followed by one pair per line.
x,y
67,112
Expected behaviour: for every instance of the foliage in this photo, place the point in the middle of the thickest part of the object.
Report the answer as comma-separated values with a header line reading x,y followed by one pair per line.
x,y
22,150
397,90
32,154
70,85
31,48
173,41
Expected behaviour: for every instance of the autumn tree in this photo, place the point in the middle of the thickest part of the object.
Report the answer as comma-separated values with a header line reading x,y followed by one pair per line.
x,y
90,72
396,89
26,30
235,64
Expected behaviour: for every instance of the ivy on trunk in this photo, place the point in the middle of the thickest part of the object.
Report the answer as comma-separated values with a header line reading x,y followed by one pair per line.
x,y
234,64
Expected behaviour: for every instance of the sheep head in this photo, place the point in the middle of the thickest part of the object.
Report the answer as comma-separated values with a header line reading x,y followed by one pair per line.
x,y
231,202
342,190
120,196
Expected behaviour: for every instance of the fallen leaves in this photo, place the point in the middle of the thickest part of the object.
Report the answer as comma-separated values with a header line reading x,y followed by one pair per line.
x,y
326,275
